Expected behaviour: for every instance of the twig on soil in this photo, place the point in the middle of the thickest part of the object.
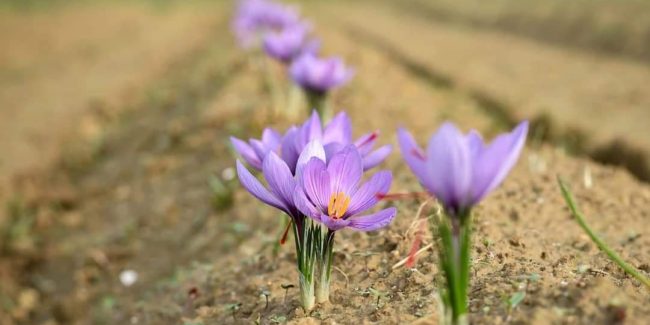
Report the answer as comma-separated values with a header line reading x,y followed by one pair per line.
x,y
403,261
347,280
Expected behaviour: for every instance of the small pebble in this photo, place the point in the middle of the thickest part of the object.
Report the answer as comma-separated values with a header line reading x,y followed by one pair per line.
x,y
128,277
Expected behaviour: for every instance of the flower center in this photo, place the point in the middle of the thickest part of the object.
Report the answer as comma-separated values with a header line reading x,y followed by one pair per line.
x,y
339,203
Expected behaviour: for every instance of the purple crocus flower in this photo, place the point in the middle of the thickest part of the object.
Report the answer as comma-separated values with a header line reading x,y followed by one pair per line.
x,y
460,170
254,18
319,75
331,194
289,43
334,137
281,181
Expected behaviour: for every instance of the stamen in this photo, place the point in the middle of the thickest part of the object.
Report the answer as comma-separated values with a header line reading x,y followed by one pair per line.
x,y
338,205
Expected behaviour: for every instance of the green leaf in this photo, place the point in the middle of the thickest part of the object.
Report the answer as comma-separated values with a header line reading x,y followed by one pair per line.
x,y
516,299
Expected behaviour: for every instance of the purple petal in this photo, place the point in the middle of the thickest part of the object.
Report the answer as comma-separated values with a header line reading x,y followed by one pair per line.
x,y
414,156
289,152
279,177
313,149
376,157
367,195
305,206
373,221
494,162
366,142
345,170
332,148
261,150
246,152
339,130
449,167
333,224
316,183
271,139
252,185
310,131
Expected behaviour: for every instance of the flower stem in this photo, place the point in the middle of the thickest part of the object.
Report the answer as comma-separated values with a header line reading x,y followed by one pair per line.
x,y
568,197
318,101
454,251
294,101
304,238
324,265
273,87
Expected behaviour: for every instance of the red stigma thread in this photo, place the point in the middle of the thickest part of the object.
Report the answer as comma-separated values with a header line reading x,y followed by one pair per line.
x,y
418,154
285,234
410,262
400,196
371,137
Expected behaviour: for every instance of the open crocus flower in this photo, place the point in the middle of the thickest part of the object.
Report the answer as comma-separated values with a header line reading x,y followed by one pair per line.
x,y
331,194
254,18
256,150
318,76
460,170
289,43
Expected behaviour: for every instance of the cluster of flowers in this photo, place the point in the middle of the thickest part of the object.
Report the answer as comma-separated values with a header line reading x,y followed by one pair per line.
x,y
314,171
285,36
314,175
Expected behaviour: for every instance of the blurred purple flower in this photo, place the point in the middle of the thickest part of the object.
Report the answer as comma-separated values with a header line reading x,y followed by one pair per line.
x,y
334,137
281,181
254,18
460,170
289,43
331,194
318,75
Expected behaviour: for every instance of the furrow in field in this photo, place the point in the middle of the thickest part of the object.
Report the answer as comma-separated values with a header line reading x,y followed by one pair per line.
x,y
594,104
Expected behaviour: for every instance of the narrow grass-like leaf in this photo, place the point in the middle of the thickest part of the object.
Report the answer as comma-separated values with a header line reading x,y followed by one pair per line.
x,y
568,197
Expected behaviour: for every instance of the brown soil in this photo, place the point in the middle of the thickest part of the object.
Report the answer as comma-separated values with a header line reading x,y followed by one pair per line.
x,y
145,204
51,73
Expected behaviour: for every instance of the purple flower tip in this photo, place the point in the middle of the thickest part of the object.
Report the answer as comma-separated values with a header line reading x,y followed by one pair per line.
x,y
319,75
458,169
289,43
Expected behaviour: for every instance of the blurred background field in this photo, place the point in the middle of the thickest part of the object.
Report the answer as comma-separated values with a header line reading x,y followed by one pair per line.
x,y
114,119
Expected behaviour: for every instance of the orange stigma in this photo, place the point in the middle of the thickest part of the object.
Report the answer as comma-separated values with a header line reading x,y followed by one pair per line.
x,y
338,205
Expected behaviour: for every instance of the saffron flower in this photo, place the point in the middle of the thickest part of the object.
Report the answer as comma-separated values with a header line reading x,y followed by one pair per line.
x,y
460,170
254,18
317,76
330,193
334,136
320,75
289,43
279,194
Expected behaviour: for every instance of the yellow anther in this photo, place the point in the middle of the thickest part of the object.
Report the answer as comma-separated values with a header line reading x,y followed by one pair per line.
x,y
338,205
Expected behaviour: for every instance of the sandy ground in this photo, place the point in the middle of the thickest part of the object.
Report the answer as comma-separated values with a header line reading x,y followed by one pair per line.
x,y
56,67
